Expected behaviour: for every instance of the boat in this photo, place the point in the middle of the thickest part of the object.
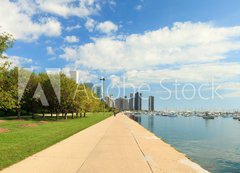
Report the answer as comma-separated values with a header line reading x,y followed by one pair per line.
x,y
208,116
236,117
165,114
172,114
200,114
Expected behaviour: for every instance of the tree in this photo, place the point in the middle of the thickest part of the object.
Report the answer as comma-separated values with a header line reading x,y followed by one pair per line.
x,y
6,97
68,87
54,104
6,42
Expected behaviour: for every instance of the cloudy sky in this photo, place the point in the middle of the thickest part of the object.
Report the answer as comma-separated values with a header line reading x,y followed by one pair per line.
x,y
187,52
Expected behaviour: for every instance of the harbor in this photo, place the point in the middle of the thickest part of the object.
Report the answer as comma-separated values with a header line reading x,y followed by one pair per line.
x,y
211,140
204,114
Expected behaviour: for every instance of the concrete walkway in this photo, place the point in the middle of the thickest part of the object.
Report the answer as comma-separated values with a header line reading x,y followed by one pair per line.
x,y
115,145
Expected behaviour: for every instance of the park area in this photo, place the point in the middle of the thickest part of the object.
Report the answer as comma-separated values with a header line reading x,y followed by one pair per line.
x,y
20,138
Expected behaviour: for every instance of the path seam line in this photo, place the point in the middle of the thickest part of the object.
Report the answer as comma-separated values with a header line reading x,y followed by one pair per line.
x,y
93,148
140,150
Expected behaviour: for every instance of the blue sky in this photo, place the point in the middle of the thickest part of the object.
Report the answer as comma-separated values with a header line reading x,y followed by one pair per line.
x,y
144,41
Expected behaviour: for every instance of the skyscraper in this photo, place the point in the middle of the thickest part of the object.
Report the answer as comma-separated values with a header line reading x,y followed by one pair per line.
x,y
109,101
99,92
122,104
131,102
138,101
125,103
150,103
74,76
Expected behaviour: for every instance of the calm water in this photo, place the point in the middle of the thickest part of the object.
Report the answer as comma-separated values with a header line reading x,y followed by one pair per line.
x,y
214,144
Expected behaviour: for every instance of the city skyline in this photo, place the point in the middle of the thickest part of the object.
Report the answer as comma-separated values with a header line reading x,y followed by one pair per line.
x,y
135,43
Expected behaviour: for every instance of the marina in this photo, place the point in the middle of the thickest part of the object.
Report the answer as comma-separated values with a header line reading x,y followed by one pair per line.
x,y
211,140
204,115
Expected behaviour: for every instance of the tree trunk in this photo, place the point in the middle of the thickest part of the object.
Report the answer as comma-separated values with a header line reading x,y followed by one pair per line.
x,y
81,115
51,114
84,115
66,116
43,114
56,116
18,113
77,114
32,115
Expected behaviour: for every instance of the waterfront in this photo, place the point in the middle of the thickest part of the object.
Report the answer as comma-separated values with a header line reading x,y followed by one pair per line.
x,y
214,144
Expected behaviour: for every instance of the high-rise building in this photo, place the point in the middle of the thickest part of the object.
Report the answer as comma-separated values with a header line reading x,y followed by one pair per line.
x,y
99,92
150,103
131,102
138,101
122,104
74,76
109,101
125,103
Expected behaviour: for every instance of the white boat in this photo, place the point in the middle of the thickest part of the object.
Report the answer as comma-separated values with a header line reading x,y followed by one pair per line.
x,y
172,114
208,116
236,117
165,114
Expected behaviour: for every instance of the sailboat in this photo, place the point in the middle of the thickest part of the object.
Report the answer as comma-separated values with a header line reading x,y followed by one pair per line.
x,y
208,116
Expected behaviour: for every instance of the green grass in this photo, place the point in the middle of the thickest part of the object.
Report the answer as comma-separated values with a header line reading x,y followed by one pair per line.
x,y
21,142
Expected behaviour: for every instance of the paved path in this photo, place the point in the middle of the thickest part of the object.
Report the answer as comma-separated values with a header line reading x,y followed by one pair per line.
x,y
115,145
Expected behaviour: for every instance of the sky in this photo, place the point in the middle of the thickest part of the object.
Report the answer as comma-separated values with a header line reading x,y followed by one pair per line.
x,y
183,52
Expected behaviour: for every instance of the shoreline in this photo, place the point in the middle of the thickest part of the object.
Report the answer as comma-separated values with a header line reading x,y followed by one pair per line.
x,y
184,160
115,145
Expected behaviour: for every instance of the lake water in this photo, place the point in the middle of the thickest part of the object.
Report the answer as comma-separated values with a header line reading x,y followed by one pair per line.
x,y
214,144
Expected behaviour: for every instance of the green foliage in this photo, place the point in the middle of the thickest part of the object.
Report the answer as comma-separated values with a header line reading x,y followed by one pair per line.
x,y
7,100
18,97
6,41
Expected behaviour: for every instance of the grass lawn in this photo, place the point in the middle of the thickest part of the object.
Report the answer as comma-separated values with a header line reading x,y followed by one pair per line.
x,y
25,137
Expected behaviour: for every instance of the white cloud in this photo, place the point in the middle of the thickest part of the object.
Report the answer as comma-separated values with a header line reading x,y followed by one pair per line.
x,y
232,89
184,43
71,39
231,86
65,8
138,7
52,58
107,27
195,73
19,21
84,76
27,15
50,50
90,24
232,95
17,61
69,54
71,28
